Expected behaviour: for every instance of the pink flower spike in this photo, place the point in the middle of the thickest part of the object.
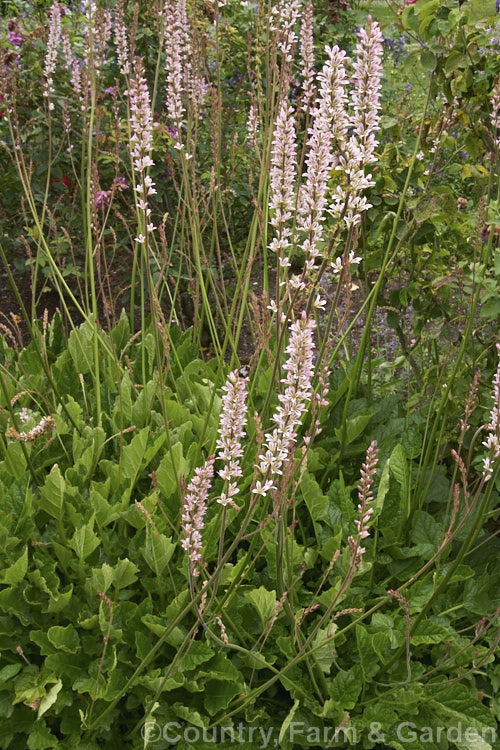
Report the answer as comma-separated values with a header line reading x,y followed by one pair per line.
x,y
492,442
283,166
194,507
367,473
51,56
231,431
121,39
296,393
307,57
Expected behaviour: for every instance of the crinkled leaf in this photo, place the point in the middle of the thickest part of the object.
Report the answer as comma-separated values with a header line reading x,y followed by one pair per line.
x,y
367,655
346,687
325,654
426,530
219,694
64,638
41,738
455,704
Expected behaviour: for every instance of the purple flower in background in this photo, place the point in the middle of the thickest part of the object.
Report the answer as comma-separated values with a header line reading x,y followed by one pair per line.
x,y
15,38
497,6
465,155
14,34
120,183
110,91
102,199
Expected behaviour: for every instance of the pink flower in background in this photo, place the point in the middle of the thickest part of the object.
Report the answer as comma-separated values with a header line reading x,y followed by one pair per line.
x,y
252,126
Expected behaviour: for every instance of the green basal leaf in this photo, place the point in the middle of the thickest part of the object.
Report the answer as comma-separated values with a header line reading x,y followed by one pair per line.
x,y
346,687
133,454
80,347
316,502
49,699
16,572
53,493
399,470
85,540
172,466
354,427
263,601
158,551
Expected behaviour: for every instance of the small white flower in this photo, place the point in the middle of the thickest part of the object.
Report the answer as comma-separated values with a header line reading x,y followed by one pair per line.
x,y
487,468
296,283
336,266
263,489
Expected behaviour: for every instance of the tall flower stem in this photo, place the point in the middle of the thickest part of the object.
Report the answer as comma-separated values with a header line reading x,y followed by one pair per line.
x,y
89,250
355,378
296,633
